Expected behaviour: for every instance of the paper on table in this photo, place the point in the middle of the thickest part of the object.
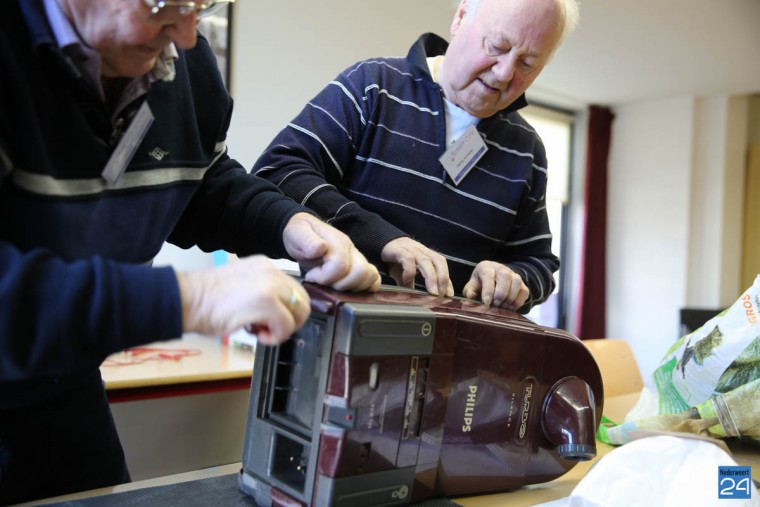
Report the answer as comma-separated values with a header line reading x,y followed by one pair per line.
x,y
657,470
560,502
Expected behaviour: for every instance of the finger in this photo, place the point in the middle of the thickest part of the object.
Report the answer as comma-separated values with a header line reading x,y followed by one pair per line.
x,y
449,289
368,274
408,266
486,275
298,304
512,297
511,291
395,262
395,272
443,279
375,286
472,289
360,275
522,296
261,332
334,267
279,315
429,274
276,327
503,282
305,240
487,288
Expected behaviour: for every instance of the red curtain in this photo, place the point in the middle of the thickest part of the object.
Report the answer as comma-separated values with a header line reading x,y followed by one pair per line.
x,y
591,308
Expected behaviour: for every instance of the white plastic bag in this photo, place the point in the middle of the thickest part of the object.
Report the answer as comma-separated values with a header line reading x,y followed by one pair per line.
x,y
708,382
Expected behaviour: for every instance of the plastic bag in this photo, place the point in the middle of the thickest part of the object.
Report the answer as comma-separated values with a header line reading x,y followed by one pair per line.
x,y
709,380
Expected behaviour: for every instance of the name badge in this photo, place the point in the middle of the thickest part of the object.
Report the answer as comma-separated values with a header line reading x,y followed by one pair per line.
x,y
129,142
463,154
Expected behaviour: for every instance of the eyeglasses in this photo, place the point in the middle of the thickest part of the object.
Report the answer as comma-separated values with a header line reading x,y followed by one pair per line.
x,y
186,7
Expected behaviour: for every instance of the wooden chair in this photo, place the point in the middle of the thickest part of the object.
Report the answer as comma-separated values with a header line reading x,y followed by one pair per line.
x,y
617,364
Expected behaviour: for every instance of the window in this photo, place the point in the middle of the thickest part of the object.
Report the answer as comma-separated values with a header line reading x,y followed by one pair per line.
x,y
556,131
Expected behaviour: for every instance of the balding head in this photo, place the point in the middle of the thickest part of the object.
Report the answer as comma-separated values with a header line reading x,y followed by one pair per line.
x,y
499,47
569,9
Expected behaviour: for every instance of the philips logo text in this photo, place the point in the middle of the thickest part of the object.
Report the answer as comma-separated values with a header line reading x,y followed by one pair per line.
x,y
469,408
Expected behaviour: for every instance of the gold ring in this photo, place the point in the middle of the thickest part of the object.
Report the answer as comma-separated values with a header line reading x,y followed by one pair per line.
x,y
293,301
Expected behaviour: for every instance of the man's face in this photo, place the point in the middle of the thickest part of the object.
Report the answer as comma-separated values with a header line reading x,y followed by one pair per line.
x,y
127,36
495,55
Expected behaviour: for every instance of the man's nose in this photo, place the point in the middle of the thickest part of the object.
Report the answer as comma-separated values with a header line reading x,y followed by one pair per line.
x,y
504,68
182,30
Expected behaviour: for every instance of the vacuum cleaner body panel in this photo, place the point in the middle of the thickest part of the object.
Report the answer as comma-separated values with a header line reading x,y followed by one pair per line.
x,y
394,397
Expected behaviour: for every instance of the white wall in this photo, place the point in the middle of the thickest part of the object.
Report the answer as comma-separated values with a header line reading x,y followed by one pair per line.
x,y
754,119
285,51
675,216
647,241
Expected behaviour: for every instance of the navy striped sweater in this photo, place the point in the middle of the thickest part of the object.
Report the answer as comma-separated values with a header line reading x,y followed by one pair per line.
x,y
364,155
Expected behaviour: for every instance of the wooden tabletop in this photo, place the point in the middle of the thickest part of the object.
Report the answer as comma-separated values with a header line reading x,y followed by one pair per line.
x,y
193,358
615,408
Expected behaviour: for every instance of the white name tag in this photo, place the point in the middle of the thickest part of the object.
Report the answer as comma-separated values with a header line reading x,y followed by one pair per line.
x,y
129,142
463,154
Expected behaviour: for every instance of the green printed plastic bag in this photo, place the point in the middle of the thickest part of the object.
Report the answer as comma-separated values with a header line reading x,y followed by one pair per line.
x,y
721,357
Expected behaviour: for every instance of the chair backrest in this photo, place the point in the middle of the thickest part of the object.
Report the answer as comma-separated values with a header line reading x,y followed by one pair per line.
x,y
617,364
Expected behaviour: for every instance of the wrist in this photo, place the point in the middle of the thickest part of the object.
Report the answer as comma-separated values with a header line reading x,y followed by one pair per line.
x,y
189,296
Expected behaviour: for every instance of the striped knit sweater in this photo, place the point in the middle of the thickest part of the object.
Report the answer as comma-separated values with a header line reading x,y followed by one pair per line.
x,y
364,155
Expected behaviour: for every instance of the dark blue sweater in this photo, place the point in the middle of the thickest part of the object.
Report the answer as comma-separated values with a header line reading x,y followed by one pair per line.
x,y
73,284
364,155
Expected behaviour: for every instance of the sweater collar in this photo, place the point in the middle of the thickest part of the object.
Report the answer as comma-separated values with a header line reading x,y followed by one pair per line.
x,y
36,22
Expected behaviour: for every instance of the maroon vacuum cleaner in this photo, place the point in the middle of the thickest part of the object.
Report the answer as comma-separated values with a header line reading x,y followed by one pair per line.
x,y
395,397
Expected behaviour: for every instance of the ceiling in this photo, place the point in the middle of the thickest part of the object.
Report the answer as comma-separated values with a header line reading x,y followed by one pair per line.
x,y
634,50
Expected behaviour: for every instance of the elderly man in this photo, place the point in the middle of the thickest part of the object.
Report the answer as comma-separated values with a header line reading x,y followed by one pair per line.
x,y
425,162
112,141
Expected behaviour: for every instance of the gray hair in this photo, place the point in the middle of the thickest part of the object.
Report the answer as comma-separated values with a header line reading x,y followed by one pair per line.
x,y
570,11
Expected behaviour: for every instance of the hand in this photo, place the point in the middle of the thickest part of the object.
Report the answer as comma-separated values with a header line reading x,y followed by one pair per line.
x,y
406,256
251,292
496,285
328,255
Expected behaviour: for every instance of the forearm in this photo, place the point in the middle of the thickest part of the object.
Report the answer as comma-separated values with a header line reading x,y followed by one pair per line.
x,y
306,183
58,316
237,212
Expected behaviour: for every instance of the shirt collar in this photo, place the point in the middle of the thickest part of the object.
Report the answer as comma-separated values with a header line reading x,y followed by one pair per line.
x,y
62,30
164,69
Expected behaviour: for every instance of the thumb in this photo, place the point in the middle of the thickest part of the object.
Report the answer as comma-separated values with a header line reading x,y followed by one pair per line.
x,y
473,287
301,241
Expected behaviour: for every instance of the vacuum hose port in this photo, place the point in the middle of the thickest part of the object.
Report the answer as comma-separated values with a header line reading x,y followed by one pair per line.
x,y
569,419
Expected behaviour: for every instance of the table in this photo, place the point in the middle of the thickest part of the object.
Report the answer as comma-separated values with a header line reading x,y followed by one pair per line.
x,y
176,367
615,408
167,394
